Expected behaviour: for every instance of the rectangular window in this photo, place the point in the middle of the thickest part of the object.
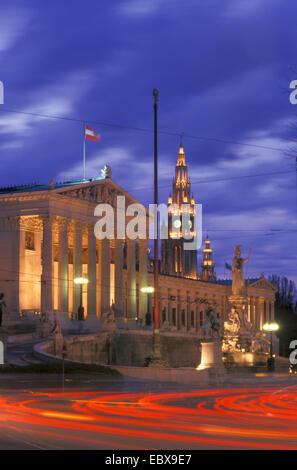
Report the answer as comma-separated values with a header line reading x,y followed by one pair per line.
x,y
201,318
192,319
174,316
183,318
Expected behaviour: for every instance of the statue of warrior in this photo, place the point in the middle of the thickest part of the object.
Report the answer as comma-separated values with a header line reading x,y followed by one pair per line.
x,y
2,304
238,283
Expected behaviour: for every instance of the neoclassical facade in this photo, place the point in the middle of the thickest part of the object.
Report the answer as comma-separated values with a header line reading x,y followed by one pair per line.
x,y
47,239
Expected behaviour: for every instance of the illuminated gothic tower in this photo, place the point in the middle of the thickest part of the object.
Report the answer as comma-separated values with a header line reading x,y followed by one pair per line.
x,y
207,264
175,259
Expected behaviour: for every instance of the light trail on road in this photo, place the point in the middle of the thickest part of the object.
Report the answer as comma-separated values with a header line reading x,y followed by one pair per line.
x,y
235,418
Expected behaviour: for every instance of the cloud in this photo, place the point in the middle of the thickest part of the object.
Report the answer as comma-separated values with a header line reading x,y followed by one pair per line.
x,y
12,26
138,8
57,99
239,8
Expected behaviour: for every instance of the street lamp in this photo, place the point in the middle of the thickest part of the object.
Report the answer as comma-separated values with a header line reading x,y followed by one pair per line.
x,y
80,311
148,290
270,327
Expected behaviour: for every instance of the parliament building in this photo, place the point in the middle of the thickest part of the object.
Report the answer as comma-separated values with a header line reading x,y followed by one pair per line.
x,y
47,240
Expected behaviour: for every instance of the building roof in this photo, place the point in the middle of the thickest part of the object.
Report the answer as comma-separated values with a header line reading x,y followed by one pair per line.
x,y
228,282
45,187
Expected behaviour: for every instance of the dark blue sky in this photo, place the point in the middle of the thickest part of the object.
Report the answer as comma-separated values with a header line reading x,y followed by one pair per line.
x,y
222,70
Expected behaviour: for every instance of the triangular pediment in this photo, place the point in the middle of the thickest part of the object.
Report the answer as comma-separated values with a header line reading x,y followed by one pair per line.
x,y
99,191
263,283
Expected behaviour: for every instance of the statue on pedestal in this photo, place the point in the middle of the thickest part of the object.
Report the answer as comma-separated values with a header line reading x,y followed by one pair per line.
x,y
232,325
58,337
238,284
108,319
2,304
211,324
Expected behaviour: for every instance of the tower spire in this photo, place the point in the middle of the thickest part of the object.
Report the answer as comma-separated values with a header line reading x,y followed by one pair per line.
x,y
207,264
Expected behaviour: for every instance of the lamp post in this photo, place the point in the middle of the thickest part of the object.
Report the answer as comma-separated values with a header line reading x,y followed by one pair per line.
x,y
271,327
156,357
80,311
156,239
148,290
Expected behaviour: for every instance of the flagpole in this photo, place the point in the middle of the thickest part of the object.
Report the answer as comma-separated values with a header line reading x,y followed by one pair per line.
x,y
84,157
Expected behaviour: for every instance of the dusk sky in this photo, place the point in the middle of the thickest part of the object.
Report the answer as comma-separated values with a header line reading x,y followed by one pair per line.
x,y
222,70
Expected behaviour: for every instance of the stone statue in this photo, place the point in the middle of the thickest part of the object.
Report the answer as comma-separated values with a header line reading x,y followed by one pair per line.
x,y
58,337
56,330
108,319
2,304
106,172
232,326
211,323
238,284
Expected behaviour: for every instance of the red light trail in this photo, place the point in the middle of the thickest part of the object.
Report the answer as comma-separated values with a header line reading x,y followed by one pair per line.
x,y
247,418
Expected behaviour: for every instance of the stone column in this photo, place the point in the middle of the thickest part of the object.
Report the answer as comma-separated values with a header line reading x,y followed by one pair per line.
x,y
47,265
169,308
178,311
131,278
261,312
92,302
63,264
272,310
10,235
267,311
104,269
142,278
252,310
77,263
119,284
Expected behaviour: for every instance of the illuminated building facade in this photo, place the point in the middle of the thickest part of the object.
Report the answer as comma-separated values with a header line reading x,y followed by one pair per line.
x,y
47,239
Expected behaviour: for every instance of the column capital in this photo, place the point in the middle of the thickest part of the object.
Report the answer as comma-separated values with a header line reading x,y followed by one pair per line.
x,y
62,222
32,223
75,225
90,227
47,219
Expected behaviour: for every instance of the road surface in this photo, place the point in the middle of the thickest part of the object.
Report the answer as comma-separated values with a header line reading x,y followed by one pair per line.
x,y
260,413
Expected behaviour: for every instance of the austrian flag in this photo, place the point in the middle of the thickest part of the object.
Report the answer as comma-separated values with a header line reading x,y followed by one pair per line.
x,y
91,134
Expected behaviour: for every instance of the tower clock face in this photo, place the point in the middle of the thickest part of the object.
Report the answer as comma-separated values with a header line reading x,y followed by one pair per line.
x,y
177,224
190,224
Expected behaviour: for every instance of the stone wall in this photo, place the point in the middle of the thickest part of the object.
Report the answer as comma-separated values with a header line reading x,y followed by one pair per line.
x,y
130,348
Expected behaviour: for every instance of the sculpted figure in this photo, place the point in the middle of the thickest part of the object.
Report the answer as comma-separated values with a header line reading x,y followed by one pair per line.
x,y
211,324
233,323
238,284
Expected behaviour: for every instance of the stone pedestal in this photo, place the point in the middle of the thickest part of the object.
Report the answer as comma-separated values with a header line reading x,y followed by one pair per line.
x,y
157,359
58,344
3,346
211,355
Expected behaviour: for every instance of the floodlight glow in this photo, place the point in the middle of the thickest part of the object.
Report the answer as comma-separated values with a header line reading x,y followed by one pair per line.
x,y
147,290
81,280
270,327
